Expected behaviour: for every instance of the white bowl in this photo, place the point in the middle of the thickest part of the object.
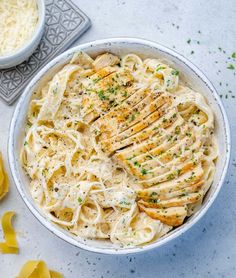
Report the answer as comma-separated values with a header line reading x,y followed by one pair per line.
x,y
121,46
26,50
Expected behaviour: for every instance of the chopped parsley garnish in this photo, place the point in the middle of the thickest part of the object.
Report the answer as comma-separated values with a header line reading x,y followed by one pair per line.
x,y
132,117
137,164
178,172
153,194
231,67
233,55
79,200
102,95
177,130
170,177
160,68
175,72
188,41
124,202
144,172
29,124
26,143
44,172
112,90
153,201
95,80
131,157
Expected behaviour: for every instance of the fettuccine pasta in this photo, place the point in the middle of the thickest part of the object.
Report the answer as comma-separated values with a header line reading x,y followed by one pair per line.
x,y
10,246
4,183
118,149
37,269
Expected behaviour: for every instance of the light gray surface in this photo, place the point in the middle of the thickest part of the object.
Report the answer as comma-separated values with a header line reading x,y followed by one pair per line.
x,y
209,248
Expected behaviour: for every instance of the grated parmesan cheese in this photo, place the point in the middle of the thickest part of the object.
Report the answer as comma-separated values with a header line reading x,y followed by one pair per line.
x,y
18,20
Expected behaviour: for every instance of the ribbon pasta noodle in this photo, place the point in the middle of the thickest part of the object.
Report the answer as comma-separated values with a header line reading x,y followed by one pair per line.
x,y
37,269
118,149
10,246
4,183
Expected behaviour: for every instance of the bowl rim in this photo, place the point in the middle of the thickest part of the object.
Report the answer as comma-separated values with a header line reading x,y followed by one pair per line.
x,y
30,43
47,223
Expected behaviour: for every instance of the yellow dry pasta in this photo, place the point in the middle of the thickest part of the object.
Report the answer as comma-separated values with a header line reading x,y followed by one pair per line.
x,y
37,269
10,246
4,183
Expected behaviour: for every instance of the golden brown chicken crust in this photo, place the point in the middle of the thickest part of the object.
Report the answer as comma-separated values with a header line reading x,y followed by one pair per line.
x,y
173,216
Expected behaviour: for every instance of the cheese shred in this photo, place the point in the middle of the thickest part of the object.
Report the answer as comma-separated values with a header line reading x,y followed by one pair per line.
x,y
18,20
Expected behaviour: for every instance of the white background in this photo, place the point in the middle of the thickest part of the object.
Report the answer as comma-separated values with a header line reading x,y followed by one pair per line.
x,y
209,248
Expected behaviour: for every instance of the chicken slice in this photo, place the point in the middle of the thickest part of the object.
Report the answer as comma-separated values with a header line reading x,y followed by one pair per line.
x,y
105,60
128,117
82,59
102,95
185,180
153,195
115,115
181,200
144,147
141,133
173,216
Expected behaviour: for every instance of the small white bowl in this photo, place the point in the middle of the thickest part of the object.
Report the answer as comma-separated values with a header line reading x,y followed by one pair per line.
x,y
27,49
120,46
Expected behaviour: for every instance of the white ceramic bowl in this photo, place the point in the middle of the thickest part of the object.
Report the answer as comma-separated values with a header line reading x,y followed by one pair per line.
x,y
27,50
121,46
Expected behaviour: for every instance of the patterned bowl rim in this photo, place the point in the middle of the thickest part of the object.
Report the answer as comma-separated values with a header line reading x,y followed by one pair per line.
x,y
31,43
60,232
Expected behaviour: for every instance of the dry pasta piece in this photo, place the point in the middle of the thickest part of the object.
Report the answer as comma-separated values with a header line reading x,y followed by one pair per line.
x,y
37,269
10,246
4,183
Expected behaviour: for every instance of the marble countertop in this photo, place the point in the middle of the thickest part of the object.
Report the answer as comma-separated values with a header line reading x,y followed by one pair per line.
x,y
204,32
